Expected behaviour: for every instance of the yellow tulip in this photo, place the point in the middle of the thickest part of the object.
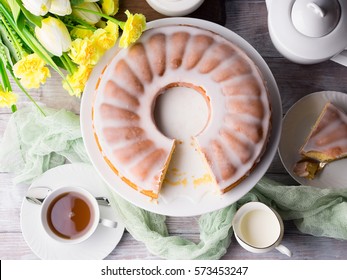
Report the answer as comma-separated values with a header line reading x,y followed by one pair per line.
x,y
110,7
86,16
60,7
37,7
54,36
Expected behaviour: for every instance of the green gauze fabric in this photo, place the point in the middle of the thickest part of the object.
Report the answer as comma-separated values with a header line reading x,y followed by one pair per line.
x,y
32,144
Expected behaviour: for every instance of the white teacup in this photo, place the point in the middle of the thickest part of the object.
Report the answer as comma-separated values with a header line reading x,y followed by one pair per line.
x,y
259,229
68,214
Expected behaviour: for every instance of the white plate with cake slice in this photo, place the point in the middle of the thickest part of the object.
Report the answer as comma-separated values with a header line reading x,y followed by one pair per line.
x,y
297,125
188,188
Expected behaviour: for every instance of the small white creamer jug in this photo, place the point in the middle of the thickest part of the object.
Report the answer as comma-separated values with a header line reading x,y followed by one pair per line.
x,y
259,229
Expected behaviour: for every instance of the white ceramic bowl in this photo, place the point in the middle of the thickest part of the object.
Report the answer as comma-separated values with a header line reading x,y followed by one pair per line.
x,y
175,8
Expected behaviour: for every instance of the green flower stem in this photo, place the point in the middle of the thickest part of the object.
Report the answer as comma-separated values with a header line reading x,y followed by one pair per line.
x,y
68,64
68,20
121,24
6,82
80,27
27,94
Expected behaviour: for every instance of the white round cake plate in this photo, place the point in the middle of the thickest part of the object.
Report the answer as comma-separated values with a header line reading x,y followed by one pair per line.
x,y
96,247
189,193
297,125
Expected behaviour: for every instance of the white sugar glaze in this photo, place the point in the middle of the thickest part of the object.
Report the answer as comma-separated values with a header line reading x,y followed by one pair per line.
x,y
330,135
240,113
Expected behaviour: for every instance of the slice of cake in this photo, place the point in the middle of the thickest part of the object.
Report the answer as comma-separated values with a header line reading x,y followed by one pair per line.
x,y
326,142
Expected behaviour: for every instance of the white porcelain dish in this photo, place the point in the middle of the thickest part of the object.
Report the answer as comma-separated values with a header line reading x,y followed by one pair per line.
x,y
175,8
297,124
96,247
185,198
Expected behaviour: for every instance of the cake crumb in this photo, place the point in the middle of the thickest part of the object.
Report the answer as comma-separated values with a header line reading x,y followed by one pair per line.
x,y
206,179
183,182
154,201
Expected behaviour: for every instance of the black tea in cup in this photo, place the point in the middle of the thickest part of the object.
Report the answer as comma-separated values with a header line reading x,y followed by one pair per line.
x,y
70,215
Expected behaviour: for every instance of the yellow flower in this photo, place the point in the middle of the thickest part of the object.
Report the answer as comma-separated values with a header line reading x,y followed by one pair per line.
x,y
31,71
7,98
77,80
105,38
112,28
110,7
133,28
84,52
81,32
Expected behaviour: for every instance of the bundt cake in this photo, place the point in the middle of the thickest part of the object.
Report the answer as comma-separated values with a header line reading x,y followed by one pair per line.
x,y
240,115
326,142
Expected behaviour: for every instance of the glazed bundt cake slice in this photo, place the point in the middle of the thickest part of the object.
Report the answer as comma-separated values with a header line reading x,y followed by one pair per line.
x,y
326,142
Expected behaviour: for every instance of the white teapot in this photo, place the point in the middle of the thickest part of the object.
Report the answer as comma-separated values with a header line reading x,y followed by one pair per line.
x,y
309,31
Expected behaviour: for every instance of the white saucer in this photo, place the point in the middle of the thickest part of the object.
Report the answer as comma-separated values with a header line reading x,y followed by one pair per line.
x,y
297,125
98,246
189,193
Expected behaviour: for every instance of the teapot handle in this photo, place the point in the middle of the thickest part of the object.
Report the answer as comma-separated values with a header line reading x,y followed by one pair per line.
x,y
341,58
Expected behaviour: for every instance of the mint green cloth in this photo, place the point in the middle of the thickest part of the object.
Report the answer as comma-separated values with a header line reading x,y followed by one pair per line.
x,y
33,144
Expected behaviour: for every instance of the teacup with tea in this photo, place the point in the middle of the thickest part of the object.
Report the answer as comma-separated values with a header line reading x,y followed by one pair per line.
x,y
69,214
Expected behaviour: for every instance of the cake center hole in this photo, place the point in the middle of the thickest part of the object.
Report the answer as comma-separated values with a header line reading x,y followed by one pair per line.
x,y
181,112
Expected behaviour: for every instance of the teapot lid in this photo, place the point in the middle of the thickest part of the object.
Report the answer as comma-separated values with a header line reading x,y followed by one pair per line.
x,y
316,18
308,31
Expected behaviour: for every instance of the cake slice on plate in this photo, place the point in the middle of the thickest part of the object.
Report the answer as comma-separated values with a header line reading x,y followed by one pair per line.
x,y
326,142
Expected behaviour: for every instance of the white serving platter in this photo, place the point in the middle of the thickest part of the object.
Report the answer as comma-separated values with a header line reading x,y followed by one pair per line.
x,y
189,193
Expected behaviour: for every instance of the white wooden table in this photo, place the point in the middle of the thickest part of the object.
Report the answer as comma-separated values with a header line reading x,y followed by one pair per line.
x,y
248,19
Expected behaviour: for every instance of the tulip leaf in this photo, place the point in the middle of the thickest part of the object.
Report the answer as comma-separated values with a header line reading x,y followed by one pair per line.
x,y
5,55
30,17
11,39
15,8
76,2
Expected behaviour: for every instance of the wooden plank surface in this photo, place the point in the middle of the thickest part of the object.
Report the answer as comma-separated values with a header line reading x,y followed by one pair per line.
x,y
248,19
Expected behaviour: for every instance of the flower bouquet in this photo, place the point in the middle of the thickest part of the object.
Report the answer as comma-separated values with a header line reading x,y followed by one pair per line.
x,y
68,36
